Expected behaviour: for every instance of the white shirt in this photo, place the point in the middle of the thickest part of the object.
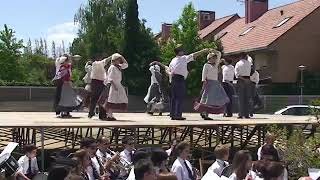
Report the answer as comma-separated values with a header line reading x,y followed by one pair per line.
x,y
96,165
153,70
210,72
242,68
58,63
87,77
89,172
98,70
255,77
217,167
260,149
126,155
180,170
179,65
24,165
169,151
227,73
131,176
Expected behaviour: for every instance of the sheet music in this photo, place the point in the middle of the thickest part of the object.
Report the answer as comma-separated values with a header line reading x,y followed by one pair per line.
x,y
9,148
314,173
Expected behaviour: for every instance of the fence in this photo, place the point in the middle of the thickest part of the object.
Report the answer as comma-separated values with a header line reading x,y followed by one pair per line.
x,y
41,99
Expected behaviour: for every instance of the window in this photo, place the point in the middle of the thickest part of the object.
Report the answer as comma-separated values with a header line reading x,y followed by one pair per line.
x,y
246,31
206,17
282,22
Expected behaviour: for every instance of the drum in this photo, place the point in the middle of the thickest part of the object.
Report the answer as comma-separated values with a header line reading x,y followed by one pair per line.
x,y
40,176
9,165
227,171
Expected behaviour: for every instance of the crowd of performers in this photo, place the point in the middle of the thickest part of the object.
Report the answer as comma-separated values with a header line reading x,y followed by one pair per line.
x,y
104,88
96,161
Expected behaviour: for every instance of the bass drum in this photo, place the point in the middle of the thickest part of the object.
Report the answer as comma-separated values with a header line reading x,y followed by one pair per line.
x,y
40,176
227,171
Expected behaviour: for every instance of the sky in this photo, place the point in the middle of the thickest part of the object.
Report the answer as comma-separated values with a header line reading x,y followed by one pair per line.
x,y
53,19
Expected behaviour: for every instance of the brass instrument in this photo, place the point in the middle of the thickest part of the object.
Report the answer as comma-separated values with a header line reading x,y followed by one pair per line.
x,y
123,164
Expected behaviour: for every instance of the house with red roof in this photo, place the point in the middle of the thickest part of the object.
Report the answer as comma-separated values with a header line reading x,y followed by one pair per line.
x,y
278,39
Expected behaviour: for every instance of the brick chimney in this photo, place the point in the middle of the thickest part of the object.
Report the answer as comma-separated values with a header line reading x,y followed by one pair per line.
x,y
205,18
255,9
166,31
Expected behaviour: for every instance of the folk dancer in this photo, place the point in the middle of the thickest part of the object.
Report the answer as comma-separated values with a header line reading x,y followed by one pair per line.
x,y
213,96
242,73
222,156
87,81
98,77
227,83
256,101
58,83
69,100
179,71
154,91
28,163
182,168
117,99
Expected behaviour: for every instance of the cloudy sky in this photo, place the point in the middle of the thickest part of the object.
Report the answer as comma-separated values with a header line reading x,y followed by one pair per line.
x,y
53,19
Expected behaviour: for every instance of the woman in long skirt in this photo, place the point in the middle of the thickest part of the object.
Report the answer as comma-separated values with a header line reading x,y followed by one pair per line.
x,y
213,96
117,99
69,100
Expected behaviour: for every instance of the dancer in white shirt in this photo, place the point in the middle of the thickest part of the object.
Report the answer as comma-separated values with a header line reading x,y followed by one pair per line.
x,y
178,69
242,72
117,99
256,101
213,97
87,81
28,163
227,83
182,168
222,155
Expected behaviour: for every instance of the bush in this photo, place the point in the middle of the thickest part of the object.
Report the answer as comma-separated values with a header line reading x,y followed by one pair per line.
x,y
315,111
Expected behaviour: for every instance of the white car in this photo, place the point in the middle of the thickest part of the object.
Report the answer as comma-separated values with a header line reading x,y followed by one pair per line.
x,y
297,110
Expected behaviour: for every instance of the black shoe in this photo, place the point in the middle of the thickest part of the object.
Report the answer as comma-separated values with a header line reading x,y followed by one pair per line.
x,y
202,115
90,116
247,117
66,116
251,115
160,113
240,117
228,116
150,113
207,118
178,118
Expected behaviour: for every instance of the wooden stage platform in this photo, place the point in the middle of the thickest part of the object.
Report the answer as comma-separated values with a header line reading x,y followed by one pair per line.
x,y
137,120
49,132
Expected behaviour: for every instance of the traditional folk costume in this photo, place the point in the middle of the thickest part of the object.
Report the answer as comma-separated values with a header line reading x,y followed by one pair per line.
x,y
87,81
58,83
179,71
227,83
154,97
98,77
213,97
256,101
69,99
242,72
117,99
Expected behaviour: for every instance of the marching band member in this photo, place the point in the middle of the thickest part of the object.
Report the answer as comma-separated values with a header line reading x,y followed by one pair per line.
x,y
182,168
117,99
227,83
98,76
104,158
28,163
242,72
178,69
213,94
127,153
222,155
90,146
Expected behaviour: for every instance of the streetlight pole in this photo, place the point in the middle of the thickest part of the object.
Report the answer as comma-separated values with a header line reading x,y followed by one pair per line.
x,y
302,68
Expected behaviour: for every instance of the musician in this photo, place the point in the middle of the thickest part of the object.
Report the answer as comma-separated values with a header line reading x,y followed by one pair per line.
x,y
58,173
144,170
104,158
222,155
90,146
140,154
173,145
159,159
269,140
127,153
182,168
82,160
28,163
241,166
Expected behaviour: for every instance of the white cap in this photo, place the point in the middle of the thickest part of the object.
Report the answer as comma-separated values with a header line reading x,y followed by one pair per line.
x,y
116,56
210,55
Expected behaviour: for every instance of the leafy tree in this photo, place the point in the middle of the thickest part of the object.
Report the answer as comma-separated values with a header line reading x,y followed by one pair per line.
x,y
46,52
53,47
28,48
185,32
10,51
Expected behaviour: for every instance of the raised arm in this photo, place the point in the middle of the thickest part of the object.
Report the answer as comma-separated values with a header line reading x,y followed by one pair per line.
x,y
167,69
88,66
124,64
199,53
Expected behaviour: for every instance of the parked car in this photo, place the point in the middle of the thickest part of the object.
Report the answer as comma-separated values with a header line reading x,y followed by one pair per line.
x,y
297,110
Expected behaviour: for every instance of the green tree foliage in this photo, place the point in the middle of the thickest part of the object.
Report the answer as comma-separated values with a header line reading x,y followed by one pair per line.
x,y
10,51
139,49
185,32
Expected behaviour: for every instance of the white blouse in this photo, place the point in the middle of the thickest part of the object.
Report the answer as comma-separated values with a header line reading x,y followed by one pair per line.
x,y
227,73
210,72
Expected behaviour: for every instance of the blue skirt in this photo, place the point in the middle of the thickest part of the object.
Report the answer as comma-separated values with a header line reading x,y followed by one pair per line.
x,y
213,94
